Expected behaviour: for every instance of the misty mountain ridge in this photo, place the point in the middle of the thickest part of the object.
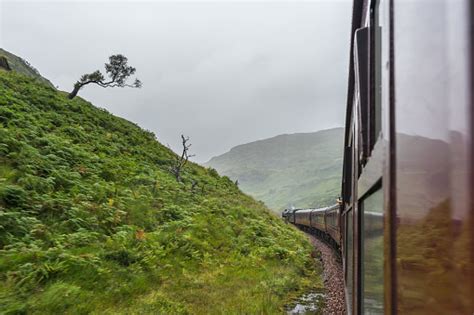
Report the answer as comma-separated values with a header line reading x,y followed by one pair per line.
x,y
301,169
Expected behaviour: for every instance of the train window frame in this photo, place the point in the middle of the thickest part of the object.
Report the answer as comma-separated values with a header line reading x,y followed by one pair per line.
x,y
366,147
362,88
371,162
370,167
367,58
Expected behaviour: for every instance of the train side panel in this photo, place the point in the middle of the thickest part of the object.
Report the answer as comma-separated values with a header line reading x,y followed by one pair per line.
x,y
332,223
317,219
408,175
302,217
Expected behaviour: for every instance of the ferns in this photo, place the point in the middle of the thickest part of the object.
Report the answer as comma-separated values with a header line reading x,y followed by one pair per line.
x,y
92,220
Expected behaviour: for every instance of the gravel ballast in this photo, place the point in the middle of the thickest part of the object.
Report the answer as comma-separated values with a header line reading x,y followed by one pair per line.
x,y
333,278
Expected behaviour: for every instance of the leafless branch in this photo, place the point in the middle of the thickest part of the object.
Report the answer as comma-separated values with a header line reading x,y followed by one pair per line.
x,y
182,160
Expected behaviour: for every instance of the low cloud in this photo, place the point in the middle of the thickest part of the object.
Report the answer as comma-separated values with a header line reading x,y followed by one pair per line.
x,y
223,73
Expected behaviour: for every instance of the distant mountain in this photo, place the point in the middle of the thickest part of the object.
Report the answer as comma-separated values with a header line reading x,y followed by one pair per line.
x,y
303,169
22,66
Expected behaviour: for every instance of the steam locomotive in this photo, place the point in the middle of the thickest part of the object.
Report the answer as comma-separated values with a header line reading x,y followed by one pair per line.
x,y
405,225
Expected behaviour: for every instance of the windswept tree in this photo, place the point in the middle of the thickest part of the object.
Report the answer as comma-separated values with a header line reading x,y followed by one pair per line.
x,y
118,72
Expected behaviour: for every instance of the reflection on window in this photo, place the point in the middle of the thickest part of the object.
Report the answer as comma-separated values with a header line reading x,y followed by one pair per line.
x,y
373,300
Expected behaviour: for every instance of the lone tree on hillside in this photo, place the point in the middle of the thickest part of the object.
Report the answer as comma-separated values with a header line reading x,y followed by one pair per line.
x,y
181,160
118,72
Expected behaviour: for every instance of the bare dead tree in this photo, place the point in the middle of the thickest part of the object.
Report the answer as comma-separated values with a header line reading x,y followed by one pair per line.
x,y
181,160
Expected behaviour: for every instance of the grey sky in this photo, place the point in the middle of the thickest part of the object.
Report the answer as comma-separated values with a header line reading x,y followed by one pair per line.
x,y
224,73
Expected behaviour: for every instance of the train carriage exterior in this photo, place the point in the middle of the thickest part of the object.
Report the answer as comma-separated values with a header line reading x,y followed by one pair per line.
x,y
332,223
303,217
318,220
323,222
407,213
406,222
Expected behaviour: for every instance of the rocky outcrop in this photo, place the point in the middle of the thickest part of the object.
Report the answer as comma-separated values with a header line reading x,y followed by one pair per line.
x,y
4,63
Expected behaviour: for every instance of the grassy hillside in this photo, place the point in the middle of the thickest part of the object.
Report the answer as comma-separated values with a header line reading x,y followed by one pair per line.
x,y
24,67
92,221
301,169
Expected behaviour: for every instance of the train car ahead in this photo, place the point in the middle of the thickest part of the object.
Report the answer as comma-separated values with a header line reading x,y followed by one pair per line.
x,y
332,223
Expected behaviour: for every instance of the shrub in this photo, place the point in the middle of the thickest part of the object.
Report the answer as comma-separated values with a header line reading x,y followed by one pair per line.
x,y
13,196
171,213
123,257
212,172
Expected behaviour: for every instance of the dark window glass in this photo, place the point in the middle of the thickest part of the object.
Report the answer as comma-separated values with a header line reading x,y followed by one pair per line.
x,y
373,254
376,108
348,172
362,88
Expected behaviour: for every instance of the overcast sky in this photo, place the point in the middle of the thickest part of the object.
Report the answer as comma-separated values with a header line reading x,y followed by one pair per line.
x,y
223,73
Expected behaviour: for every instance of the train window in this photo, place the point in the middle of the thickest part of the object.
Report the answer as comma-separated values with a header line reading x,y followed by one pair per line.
x,y
373,254
361,64
368,79
318,217
331,218
347,193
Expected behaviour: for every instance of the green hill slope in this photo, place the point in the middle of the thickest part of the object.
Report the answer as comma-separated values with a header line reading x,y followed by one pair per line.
x,y
22,66
92,221
302,169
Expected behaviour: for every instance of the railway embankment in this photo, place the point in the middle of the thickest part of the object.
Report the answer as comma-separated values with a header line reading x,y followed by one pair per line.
x,y
92,220
333,278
